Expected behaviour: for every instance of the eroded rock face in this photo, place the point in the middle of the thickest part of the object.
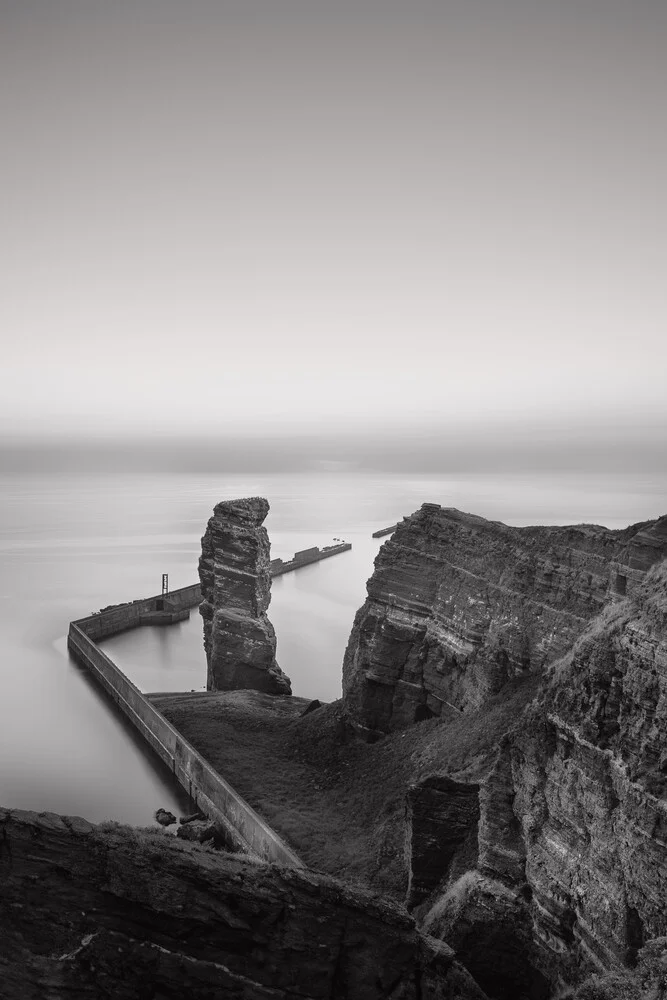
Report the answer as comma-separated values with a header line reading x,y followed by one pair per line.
x,y
458,605
489,925
95,913
591,794
571,869
234,570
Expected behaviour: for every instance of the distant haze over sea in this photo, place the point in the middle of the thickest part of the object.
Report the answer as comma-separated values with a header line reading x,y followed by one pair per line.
x,y
614,444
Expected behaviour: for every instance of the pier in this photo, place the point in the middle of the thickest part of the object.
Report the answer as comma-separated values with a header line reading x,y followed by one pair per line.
x,y
242,828
168,608
307,556
384,531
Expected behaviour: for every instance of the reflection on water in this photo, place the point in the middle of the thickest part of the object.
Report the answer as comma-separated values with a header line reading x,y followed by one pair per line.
x,y
66,747
72,544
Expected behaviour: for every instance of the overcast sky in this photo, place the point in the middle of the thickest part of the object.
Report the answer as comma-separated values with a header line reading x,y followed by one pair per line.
x,y
262,218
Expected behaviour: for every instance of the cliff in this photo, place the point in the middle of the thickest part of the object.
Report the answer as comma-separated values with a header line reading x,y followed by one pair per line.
x,y
569,867
112,912
591,794
234,570
543,858
458,605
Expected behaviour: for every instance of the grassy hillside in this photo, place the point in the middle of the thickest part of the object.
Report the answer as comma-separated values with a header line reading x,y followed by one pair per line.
x,y
339,802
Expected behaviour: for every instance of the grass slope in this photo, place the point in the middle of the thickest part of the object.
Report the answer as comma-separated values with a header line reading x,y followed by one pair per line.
x,y
339,802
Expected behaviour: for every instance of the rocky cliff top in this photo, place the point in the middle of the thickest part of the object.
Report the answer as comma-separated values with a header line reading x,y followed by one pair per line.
x,y
458,605
108,911
247,511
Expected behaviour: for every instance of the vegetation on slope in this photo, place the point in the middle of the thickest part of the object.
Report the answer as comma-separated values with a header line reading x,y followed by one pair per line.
x,y
647,982
339,802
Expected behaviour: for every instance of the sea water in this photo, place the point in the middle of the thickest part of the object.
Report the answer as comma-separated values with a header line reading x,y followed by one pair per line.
x,y
72,544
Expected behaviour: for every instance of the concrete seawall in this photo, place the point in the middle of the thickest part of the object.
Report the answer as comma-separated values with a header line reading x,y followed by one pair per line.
x,y
165,609
120,617
306,557
385,531
243,827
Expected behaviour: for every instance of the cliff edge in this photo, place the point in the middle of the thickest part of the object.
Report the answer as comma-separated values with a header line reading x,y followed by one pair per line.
x,y
113,912
459,605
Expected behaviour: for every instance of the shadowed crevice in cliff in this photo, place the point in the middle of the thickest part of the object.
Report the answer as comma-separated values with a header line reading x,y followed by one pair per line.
x,y
489,928
442,818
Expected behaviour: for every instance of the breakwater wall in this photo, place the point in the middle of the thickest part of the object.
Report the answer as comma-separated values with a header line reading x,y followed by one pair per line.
x,y
209,791
165,609
384,531
307,556
162,609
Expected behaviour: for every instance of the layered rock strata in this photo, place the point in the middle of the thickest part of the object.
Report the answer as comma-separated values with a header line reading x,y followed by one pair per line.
x,y
458,605
92,912
234,570
590,790
568,874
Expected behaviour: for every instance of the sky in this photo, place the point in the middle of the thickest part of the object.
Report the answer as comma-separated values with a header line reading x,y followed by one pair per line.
x,y
335,227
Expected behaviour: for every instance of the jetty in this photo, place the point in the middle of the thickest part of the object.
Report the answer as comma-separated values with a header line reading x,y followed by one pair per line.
x,y
384,531
168,608
307,556
242,828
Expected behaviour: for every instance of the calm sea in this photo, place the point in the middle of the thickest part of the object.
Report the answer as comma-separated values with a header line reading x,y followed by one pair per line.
x,y
72,544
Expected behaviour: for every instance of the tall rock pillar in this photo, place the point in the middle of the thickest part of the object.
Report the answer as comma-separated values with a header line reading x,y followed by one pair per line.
x,y
234,570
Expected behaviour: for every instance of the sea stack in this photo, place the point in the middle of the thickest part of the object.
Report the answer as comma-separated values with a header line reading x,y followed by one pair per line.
x,y
234,570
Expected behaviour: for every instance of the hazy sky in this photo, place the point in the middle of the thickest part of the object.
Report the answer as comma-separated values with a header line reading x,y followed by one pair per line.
x,y
258,218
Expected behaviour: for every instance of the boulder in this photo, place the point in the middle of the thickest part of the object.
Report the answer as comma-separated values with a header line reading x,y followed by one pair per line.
x,y
197,829
92,912
164,817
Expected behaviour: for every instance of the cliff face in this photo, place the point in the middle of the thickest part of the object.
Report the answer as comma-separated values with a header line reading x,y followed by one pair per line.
x,y
119,913
549,860
591,794
458,605
572,838
234,570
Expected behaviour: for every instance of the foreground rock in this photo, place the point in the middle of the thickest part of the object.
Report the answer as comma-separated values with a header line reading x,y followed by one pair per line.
x,y
92,912
458,605
164,817
234,570
197,829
